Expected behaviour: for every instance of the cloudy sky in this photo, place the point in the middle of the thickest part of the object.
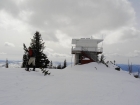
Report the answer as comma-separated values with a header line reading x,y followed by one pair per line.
x,y
58,21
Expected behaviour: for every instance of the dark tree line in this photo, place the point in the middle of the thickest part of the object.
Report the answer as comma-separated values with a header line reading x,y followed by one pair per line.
x,y
62,67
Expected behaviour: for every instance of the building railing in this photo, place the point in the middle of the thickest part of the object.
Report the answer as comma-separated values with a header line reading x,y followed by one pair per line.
x,y
91,49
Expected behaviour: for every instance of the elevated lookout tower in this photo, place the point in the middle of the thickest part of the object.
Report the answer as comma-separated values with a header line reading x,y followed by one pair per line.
x,y
86,50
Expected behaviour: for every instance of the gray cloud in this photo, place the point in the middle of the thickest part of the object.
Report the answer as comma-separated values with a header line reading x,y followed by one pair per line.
x,y
112,54
130,34
122,35
77,18
9,44
59,21
2,53
9,6
135,53
53,55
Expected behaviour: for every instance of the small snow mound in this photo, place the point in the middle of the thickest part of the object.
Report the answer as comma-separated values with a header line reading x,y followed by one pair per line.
x,y
92,66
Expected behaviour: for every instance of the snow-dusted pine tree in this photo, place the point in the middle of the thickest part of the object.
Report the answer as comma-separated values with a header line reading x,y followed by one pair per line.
x,y
38,45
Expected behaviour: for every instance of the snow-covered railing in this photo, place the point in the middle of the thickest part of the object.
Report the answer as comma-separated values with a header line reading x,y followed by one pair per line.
x,y
92,49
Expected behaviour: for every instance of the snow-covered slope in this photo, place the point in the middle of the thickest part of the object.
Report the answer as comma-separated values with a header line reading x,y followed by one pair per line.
x,y
89,84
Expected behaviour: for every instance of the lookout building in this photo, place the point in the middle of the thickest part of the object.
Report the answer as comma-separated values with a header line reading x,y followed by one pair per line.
x,y
86,50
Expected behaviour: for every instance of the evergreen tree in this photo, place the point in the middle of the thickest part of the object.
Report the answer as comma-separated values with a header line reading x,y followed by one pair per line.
x,y
65,64
59,66
51,64
6,64
36,44
25,56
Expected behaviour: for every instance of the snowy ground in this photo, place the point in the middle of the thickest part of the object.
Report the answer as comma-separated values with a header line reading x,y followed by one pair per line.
x,y
77,85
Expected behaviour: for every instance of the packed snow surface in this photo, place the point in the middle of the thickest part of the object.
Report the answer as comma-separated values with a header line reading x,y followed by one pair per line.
x,y
89,84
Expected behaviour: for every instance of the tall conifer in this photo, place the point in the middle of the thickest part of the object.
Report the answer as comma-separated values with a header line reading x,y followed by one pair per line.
x,y
38,45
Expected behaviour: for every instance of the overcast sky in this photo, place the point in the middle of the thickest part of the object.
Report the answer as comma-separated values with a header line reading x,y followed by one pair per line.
x,y
59,21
